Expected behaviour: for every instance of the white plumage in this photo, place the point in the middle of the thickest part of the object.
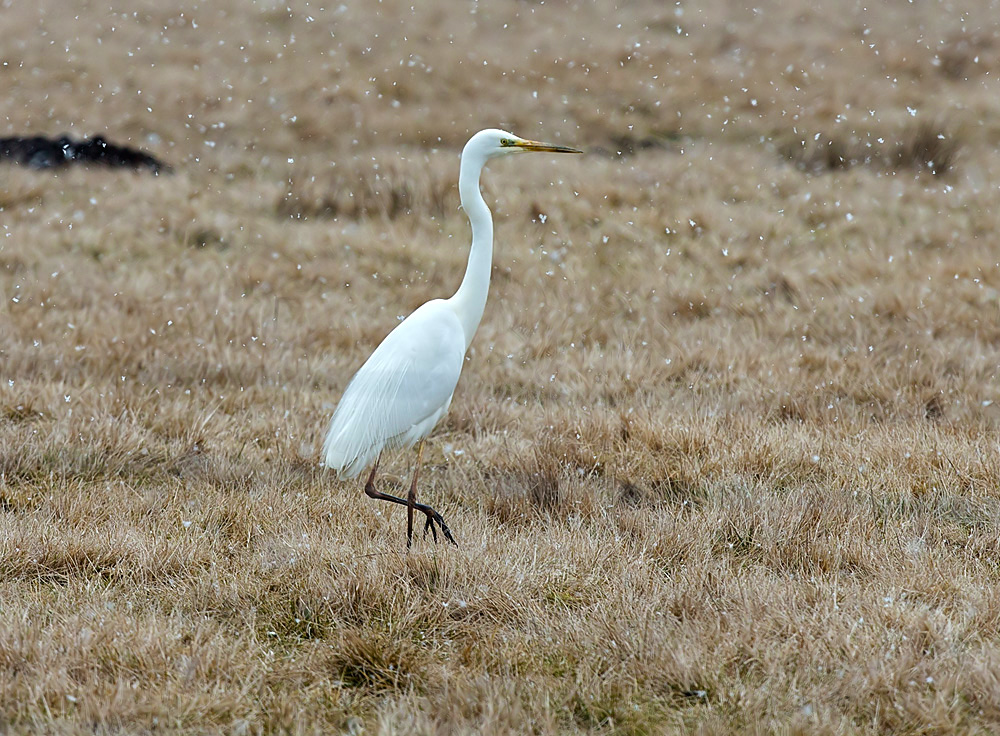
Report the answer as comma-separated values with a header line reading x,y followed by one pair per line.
x,y
406,385
400,392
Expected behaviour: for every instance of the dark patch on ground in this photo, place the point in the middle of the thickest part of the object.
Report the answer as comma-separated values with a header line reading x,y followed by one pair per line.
x,y
38,152
921,149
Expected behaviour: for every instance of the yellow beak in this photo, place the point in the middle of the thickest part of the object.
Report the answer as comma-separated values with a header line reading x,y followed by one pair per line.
x,y
538,146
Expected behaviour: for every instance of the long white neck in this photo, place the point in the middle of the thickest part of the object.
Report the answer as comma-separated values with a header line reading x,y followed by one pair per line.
x,y
470,299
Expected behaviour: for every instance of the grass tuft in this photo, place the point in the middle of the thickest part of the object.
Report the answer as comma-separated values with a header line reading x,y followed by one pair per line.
x,y
923,148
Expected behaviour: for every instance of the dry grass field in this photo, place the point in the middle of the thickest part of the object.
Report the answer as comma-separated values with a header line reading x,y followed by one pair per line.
x,y
725,456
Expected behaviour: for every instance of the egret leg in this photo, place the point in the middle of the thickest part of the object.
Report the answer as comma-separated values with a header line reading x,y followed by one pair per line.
x,y
432,515
411,498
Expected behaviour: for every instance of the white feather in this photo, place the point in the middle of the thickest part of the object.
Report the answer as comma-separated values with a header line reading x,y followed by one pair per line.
x,y
401,391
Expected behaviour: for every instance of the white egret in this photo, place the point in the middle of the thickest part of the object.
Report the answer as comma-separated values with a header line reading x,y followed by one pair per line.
x,y
406,385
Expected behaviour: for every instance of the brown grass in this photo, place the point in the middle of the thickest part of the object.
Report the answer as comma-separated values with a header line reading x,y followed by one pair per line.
x,y
724,458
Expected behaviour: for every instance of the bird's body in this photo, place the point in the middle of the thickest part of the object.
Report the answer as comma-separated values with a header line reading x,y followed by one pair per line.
x,y
402,390
406,386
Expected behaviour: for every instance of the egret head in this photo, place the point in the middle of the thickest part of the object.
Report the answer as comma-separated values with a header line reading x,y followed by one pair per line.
x,y
493,142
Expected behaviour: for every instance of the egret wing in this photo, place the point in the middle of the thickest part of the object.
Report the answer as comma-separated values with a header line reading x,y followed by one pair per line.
x,y
408,380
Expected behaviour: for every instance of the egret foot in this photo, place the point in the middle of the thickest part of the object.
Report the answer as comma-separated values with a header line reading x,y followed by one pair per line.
x,y
432,515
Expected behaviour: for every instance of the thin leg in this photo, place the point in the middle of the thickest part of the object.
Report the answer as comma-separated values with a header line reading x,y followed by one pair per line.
x,y
432,515
411,498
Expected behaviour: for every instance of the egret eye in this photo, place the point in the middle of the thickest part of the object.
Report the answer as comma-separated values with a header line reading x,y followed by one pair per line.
x,y
506,142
